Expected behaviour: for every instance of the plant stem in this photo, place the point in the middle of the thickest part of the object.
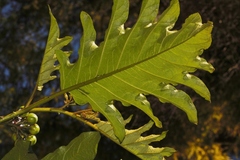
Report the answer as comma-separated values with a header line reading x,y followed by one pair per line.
x,y
46,99
75,116
76,86
71,114
31,97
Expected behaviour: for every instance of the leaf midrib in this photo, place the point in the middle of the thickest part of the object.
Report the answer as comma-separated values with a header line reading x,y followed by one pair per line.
x,y
100,77
76,86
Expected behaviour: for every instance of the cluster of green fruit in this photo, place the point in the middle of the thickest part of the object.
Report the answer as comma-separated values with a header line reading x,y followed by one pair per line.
x,y
26,127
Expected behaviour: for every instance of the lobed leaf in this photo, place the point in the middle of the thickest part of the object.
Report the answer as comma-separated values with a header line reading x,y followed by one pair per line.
x,y
149,58
53,43
82,147
137,144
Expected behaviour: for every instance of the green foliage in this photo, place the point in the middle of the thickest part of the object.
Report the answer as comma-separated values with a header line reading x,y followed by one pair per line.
x,y
136,144
148,59
82,147
53,43
20,151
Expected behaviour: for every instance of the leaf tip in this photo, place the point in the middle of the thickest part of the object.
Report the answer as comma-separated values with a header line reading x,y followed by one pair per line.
x,y
195,122
49,10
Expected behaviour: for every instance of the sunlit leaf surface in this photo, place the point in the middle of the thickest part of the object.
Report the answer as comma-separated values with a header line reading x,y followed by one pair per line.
x,y
149,58
53,43
137,144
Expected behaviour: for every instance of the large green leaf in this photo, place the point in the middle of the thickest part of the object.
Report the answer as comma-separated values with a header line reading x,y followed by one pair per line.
x,y
53,43
82,147
149,58
20,151
137,144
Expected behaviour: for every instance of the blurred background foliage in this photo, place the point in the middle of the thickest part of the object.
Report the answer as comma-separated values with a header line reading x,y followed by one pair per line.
x,y
23,33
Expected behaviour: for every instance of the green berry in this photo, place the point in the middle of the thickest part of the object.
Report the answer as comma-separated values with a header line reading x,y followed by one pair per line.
x,y
32,139
34,129
32,118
